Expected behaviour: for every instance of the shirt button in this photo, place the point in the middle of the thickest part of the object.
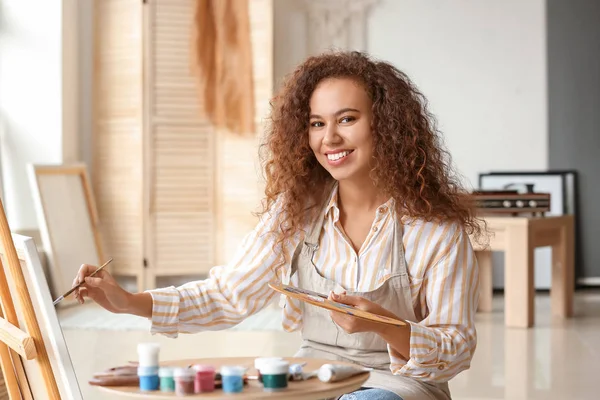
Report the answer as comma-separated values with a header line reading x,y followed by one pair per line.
x,y
374,229
441,367
382,209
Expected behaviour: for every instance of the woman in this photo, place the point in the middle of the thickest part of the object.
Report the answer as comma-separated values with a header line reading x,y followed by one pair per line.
x,y
360,204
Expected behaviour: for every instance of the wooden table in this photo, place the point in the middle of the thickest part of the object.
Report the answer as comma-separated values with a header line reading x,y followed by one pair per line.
x,y
518,237
311,389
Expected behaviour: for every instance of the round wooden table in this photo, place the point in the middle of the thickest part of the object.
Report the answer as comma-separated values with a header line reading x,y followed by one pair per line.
x,y
312,389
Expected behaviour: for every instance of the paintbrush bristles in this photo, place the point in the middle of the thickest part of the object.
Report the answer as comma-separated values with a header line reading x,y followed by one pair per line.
x,y
74,288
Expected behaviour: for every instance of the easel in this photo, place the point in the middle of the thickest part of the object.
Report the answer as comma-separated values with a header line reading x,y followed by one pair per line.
x,y
14,341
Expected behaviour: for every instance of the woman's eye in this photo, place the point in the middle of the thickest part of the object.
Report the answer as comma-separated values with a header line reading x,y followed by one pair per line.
x,y
346,119
316,124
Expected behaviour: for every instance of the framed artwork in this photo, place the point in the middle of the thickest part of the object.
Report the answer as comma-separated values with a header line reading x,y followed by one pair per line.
x,y
68,221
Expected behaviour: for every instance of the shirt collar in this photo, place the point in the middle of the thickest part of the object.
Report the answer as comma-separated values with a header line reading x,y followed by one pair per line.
x,y
332,209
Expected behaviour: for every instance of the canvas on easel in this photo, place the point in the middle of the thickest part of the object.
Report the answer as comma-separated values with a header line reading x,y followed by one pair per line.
x,y
33,355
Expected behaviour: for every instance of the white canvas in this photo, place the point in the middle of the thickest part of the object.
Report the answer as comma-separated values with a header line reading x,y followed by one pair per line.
x,y
47,318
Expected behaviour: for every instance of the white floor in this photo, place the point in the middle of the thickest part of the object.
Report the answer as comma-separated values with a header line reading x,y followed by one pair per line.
x,y
554,360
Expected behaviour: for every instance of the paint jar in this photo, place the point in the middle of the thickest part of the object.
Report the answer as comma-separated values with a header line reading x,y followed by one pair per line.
x,y
205,378
148,354
258,362
296,372
232,378
184,381
167,382
148,378
275,375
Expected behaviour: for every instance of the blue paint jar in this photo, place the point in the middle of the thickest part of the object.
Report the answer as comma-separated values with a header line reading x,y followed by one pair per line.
x,y
148,378
232,378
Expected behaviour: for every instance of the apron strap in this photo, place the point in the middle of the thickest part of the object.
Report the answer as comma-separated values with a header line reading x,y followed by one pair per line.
x,y
312,238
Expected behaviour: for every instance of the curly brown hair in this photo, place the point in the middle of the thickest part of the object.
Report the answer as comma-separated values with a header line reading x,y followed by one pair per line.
x,y
409,161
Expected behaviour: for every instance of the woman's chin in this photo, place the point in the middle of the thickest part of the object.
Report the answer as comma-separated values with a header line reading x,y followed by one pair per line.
x,y
342,176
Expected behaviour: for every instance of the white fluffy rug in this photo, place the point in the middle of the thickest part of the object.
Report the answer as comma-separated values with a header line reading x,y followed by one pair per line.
x,y
93,317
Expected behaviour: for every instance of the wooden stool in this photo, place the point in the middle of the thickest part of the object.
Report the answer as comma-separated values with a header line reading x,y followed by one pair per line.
x,y
518,237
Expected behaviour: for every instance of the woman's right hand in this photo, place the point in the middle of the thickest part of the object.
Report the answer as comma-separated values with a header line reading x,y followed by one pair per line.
x,y
103,289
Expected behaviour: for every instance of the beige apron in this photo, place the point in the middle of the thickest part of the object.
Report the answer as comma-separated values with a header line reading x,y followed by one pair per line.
x,y
322,338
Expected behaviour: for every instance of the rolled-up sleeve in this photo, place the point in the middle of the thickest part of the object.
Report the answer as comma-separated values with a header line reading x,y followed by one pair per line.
x,y
231,292
443,343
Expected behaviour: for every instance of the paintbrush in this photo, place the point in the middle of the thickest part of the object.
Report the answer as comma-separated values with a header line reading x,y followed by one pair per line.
x,y
74,288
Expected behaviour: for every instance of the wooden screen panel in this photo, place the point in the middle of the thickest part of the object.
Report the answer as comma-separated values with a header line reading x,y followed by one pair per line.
x,y
174,89
182,214
117,172
181,153
239,176
261,32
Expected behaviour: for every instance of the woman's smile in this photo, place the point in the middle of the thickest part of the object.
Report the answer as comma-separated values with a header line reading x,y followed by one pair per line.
x,y
338,157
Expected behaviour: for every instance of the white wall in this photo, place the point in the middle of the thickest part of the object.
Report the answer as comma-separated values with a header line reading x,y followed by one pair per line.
x,y
574,131
32,93
85,53
481,64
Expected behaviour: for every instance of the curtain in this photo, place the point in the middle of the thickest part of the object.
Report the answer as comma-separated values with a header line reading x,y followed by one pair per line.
x,y
223,63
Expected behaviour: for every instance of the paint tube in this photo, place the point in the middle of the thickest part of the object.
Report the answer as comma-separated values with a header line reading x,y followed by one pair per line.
x,y
336,372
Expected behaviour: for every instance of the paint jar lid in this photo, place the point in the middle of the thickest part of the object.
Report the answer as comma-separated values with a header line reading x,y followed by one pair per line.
x,y
275,368
232,370
262,360
204,368
166,372
148,348
183,373
147,371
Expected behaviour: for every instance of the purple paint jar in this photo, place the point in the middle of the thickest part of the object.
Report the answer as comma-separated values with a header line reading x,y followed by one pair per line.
x,y
184,381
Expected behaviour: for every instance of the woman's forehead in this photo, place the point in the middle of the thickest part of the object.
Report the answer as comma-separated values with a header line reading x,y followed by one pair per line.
x,y
333,94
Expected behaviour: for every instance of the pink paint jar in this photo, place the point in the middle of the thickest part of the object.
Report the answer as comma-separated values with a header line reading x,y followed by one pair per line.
x,y
204,380
184,381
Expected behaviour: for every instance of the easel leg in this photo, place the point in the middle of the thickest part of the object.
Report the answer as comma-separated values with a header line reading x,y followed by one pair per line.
x,y
10,379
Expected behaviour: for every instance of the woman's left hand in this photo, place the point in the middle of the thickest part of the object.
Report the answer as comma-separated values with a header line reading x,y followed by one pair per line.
x,y
351,324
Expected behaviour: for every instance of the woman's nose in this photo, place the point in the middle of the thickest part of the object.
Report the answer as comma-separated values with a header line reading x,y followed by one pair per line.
x,y
331,135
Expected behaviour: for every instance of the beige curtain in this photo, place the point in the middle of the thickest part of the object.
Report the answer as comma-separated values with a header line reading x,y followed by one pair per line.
x,y
223,61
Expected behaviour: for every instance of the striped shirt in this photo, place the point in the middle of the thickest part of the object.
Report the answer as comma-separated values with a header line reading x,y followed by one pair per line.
x,y
441,266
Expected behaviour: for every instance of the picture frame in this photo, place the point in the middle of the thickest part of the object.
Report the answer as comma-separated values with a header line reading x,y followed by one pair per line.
x,y
563,186
47,319
68,221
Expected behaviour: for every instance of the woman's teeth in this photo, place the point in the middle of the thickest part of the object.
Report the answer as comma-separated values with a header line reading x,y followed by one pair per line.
x,y
337,156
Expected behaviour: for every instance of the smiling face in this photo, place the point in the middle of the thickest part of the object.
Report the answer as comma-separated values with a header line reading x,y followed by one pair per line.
x,y
340,128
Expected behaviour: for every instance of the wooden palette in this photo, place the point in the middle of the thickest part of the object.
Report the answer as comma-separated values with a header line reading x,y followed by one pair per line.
x,y
321,300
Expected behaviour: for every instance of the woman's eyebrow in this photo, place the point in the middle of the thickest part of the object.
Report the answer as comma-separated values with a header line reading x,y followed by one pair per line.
x,y
337,113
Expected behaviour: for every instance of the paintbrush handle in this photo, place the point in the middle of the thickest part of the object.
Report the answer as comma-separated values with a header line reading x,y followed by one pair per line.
x,y
74,288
